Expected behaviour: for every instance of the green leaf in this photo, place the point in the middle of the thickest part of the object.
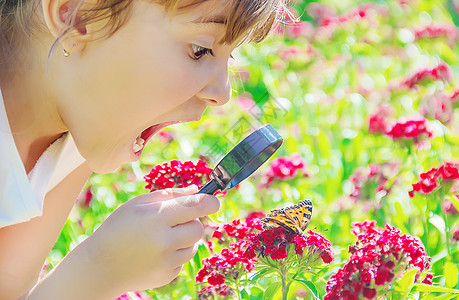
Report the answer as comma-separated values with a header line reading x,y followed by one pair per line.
x,y
261,273
421,287
244,294
271,291
256,293
404,285
450,272
310,286
446,297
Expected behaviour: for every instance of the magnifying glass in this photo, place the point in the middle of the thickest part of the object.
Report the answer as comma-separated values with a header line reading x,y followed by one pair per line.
x,y
243,160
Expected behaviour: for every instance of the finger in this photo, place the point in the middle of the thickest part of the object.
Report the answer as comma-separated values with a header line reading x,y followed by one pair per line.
x,y
165,194
186,235
186,208
184,255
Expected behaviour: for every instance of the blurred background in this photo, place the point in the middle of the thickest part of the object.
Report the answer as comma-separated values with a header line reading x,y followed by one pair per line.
x,y
365,94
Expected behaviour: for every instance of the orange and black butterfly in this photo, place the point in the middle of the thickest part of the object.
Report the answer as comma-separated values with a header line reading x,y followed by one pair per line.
x,y
294,219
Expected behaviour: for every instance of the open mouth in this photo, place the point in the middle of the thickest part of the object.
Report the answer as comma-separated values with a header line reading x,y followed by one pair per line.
x,y
143,137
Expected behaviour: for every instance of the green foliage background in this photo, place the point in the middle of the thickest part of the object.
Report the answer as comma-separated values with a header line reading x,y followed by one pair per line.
x,y
319,101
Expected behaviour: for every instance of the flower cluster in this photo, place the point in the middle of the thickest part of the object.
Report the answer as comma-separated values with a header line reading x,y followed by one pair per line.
x,y
441,72
177,174
433,31
237,229
368,182
231,261
209,292
437,106
401,130
449,171
380,256
377,124
365,11
412,129
276,243
223,265
285,167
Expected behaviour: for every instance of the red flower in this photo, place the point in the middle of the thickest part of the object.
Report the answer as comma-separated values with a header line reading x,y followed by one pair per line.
x,y
369,293
85,198
430,180
278,253
440,72
412,129
215,279
377,124
375,256
177,174
428,279
284,168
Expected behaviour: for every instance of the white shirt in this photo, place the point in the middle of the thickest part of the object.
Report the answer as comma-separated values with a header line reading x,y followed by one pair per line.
x,y
21,194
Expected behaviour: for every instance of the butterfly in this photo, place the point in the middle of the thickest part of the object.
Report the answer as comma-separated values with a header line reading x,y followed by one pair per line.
x,y
295,218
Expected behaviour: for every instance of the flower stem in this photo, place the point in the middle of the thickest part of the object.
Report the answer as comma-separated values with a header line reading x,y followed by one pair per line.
x,y
447,233
285,287
425,236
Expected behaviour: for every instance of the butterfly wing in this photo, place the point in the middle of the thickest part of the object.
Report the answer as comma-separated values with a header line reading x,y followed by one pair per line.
x,y
300,214
294,218
276,218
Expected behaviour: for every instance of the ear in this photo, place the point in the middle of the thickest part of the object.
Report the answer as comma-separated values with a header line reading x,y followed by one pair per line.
x,y
60,16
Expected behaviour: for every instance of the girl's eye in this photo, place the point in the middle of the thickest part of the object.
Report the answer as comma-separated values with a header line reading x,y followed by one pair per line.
x,y
199,51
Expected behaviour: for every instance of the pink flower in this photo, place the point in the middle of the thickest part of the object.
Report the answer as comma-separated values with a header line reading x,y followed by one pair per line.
x,y
138,296
375,256
437,106
377,124
433,31
368,182
449,208
455,234
245,103
441,72
165,136
85,198
285,167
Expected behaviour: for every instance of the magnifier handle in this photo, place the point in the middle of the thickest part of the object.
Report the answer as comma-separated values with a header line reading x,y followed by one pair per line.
x,y
210,188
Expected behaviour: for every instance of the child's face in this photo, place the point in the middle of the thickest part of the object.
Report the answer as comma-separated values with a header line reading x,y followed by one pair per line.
x,y
152,72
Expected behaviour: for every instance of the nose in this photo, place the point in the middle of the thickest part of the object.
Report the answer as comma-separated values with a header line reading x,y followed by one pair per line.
x,y
218,89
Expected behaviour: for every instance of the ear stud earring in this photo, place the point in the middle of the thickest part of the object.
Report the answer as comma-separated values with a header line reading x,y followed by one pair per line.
x,y
66,53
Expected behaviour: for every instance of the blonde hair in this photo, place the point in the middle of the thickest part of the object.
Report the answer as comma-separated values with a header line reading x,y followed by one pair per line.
x,y
250,19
